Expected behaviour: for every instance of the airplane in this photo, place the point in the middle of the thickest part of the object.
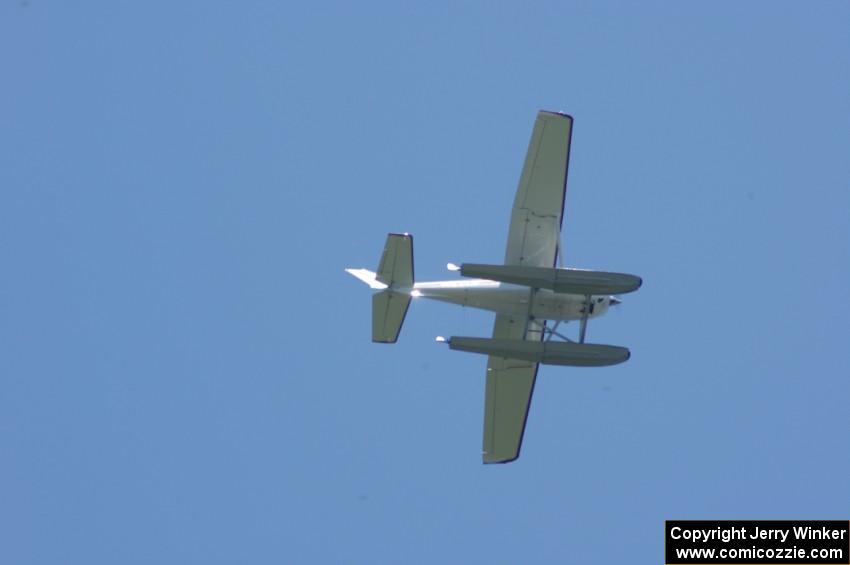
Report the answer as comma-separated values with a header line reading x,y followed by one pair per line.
x,y
525,292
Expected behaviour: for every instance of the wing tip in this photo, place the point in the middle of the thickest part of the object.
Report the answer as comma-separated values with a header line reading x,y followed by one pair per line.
x,y
557,113
494,461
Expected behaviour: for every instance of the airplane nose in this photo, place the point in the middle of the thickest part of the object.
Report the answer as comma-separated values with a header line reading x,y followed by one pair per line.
x,y
613,301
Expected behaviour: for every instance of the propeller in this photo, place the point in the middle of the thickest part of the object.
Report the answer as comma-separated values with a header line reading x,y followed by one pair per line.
x,y
615,301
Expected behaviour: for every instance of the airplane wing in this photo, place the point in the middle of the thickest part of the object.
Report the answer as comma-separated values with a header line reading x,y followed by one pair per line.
x,y
510,384
532,241
539,204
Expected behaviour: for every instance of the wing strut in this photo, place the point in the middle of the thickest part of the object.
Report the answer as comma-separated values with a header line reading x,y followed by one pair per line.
x,y
559,247
528,317
585,313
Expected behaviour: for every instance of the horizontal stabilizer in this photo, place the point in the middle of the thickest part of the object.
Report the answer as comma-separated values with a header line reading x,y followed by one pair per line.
x,y
569,281
388,311
546,352
396,268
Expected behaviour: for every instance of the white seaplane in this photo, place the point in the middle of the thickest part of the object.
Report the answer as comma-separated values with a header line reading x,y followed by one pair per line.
x,y
524,292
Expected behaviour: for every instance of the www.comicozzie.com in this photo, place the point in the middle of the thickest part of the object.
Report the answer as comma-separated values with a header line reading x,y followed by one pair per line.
x,y
739,541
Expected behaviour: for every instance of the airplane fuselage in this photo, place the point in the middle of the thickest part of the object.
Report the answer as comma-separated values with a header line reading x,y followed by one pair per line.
x,y
511,299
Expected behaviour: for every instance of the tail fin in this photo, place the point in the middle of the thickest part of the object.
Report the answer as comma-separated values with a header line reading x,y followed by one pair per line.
x,y
395,279
367,277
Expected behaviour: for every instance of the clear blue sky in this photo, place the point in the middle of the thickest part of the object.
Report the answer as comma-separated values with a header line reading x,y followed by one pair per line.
x,y
186,374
